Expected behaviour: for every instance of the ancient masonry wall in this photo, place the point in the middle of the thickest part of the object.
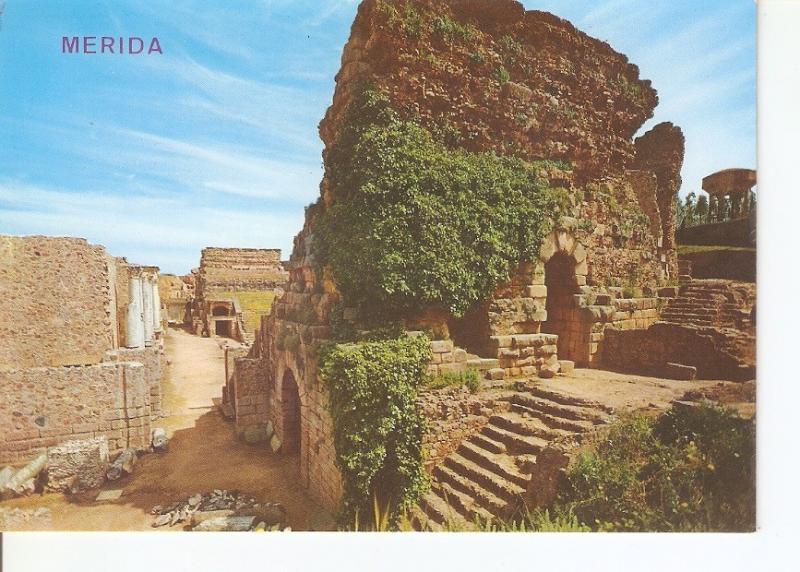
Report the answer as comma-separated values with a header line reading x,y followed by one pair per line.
x,y
43,407
64,371
564,97
716,353
55,297
452,414
225,269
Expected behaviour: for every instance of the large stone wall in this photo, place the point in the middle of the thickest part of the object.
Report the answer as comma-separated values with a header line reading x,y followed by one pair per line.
x,y
226,269
55,302
522,83
42,407
65,373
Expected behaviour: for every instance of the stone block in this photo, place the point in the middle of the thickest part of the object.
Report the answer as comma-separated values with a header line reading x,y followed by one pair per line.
x,y
77,466
496,373
536,291
680,371
566,366
441,346
459,355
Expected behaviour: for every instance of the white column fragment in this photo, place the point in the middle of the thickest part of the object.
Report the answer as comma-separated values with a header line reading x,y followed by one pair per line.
x,y
134,325
156,305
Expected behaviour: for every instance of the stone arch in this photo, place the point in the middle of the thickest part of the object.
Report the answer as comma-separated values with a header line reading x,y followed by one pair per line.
x,y
564,269
220,310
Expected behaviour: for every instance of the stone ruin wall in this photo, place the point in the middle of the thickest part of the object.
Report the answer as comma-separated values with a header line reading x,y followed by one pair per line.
x,y
54,302
64,371
227,269
582,102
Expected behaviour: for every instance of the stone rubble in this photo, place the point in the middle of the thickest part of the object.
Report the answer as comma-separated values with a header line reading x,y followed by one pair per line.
x,y
221,510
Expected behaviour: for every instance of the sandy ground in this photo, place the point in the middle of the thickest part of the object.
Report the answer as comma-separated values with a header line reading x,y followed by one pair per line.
x,y
203,455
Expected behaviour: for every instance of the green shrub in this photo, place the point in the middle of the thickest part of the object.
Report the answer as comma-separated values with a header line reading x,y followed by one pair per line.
x,y
407,18
469,379
452,31
415,224
691,470
377,429
501,75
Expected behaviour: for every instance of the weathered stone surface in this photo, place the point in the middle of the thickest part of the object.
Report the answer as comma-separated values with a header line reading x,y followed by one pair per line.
x,y
226,524
77,466
159,441
275,444
680,371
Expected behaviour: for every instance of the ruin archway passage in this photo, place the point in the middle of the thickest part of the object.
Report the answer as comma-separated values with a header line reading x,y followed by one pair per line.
x,y
290,414
223,328
562,313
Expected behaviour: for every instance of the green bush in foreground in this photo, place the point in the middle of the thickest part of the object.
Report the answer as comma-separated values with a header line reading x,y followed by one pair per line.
x,y
690,470
377,429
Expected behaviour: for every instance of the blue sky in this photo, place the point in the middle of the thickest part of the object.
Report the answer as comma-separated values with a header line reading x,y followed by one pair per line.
x,y
215,142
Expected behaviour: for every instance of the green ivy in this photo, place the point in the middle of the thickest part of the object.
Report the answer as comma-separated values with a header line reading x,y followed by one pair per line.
x,y
415,224
377,429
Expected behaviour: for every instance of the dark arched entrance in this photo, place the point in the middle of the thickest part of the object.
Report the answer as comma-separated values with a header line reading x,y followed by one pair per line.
x,y
290,414
562,312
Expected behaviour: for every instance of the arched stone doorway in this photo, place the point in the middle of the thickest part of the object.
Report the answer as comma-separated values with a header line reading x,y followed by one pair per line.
x,y
290,414
562,312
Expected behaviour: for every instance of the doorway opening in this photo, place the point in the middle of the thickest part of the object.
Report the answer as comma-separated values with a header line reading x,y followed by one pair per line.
x,y
562,313
290,414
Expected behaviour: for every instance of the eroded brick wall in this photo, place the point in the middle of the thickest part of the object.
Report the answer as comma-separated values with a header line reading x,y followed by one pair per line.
x,y
55,302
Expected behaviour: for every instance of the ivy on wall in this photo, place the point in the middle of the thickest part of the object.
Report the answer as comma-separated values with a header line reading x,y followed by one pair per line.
x,y
415,224
377,429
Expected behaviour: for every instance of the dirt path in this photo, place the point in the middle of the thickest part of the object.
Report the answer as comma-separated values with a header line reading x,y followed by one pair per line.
x,y
203,455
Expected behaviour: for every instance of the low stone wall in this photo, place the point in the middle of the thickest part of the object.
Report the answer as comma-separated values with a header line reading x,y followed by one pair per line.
x,y
452,415
43,407
717,354
249,393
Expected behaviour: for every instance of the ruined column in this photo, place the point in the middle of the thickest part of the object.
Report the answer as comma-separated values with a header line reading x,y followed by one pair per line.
x,y
156,305
147,291
134,324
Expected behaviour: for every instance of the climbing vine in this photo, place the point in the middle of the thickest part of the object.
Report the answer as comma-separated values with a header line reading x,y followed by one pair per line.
x,y
416,224
377,429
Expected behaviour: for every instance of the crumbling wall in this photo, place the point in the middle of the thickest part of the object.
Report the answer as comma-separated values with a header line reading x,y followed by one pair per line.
x,y
482,76
716,353
55,299
42,407
660,151
226,269
523,83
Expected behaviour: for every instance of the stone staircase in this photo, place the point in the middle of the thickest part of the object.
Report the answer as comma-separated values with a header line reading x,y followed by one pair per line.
x,y
487,476
712,303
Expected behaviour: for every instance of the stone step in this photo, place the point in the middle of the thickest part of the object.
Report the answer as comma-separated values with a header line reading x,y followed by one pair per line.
x,y
572,412
464,504
517,444
484,497
503,488
421,522
442,513
500,465
552,421
519,421
487,442
539,391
